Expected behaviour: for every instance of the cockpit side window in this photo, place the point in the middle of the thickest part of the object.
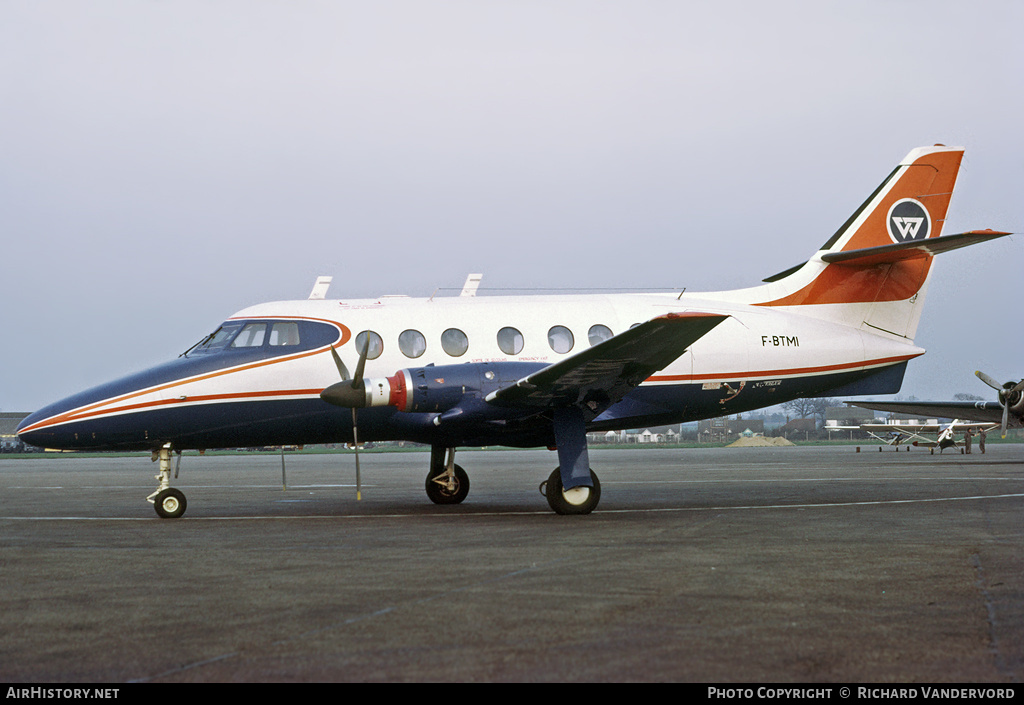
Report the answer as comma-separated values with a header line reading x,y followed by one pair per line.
x,y
251,336
285,333
263,338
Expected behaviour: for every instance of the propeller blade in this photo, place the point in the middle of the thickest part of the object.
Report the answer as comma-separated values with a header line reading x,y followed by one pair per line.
x,y
1006,392
355,447
357,385
349,392
989,381
362,362
342,370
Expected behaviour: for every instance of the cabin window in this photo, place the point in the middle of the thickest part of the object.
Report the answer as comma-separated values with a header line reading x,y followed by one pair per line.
x,y
251,336
454,342
560,339
598,334
510,341
284,333
376,348
412,343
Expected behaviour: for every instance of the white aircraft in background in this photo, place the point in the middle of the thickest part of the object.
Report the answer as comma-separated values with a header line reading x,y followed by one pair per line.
x,y
529,371
896,434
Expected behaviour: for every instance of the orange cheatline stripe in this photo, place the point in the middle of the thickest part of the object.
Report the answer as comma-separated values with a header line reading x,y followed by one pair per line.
x,y
170,402
784,372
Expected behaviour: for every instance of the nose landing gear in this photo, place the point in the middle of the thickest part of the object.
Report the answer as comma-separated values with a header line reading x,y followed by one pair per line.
x,y
447,483
169,502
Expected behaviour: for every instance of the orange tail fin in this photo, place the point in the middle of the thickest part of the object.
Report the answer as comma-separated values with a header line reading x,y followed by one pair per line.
x,y
909,206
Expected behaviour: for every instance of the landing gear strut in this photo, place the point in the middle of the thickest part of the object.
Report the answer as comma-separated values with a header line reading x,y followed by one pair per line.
x,y
447,483
574,466
169,502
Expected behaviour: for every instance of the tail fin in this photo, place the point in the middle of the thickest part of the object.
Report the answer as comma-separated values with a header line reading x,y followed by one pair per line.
x,y
874,271
909,205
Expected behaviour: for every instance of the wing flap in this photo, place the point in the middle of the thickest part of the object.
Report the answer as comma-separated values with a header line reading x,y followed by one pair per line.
x,y
600,376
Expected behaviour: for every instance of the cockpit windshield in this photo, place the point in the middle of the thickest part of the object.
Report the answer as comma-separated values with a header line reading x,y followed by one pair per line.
x,y
215,341
275,337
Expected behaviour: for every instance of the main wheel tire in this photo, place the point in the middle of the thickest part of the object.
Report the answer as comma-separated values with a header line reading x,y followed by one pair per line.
x,y
440,493
578,500
170,503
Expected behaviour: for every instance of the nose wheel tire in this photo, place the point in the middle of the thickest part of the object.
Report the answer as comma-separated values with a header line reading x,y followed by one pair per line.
x,y
170,503
578,500
445,489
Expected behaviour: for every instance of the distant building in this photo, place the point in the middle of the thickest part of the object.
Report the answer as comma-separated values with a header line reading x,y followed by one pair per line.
x,y
849,416
654,434
9,422
727,428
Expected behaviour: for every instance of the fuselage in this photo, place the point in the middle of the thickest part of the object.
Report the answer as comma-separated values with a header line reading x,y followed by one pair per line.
x,y
257,380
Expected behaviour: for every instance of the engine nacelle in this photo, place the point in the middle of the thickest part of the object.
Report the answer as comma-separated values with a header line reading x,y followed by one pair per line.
x,y
440,388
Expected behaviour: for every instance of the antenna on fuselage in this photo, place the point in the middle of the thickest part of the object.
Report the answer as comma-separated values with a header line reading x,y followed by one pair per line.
x,y
471,285
320,288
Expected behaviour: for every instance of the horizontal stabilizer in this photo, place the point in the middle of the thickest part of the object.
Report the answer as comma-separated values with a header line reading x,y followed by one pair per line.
x,y
602,375
914,249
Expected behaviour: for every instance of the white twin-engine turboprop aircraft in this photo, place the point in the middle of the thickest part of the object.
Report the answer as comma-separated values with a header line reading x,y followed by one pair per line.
x,y
528,371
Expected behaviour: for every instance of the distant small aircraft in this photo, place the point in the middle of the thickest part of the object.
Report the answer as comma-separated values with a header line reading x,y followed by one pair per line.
x,y
916,434
1007,410
529,371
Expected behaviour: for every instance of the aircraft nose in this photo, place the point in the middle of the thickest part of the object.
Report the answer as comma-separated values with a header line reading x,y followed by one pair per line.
x,y
34,437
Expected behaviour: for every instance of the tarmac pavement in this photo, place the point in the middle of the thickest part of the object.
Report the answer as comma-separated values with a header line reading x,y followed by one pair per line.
x,y
778,565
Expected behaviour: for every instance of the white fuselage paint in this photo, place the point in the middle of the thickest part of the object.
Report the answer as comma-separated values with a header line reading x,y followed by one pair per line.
x,y
754,344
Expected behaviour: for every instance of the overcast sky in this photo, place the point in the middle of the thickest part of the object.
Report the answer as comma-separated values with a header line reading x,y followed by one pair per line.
x,y
164,164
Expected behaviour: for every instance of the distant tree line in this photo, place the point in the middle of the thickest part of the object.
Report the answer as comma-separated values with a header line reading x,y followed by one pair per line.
x,y
812,408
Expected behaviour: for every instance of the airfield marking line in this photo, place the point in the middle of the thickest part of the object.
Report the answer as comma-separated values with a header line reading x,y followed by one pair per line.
x,y
539,512
755,480
186,667
820,505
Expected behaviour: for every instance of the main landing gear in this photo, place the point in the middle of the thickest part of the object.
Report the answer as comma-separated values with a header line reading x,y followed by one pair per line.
x,y
169,502
447,483
578,500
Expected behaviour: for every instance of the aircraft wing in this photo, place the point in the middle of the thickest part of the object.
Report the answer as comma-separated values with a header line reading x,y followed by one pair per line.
x,y
598,377
925,427
903,427
982,411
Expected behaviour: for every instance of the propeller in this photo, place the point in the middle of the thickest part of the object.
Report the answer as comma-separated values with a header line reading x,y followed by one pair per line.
x,y
1006,393
351,394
